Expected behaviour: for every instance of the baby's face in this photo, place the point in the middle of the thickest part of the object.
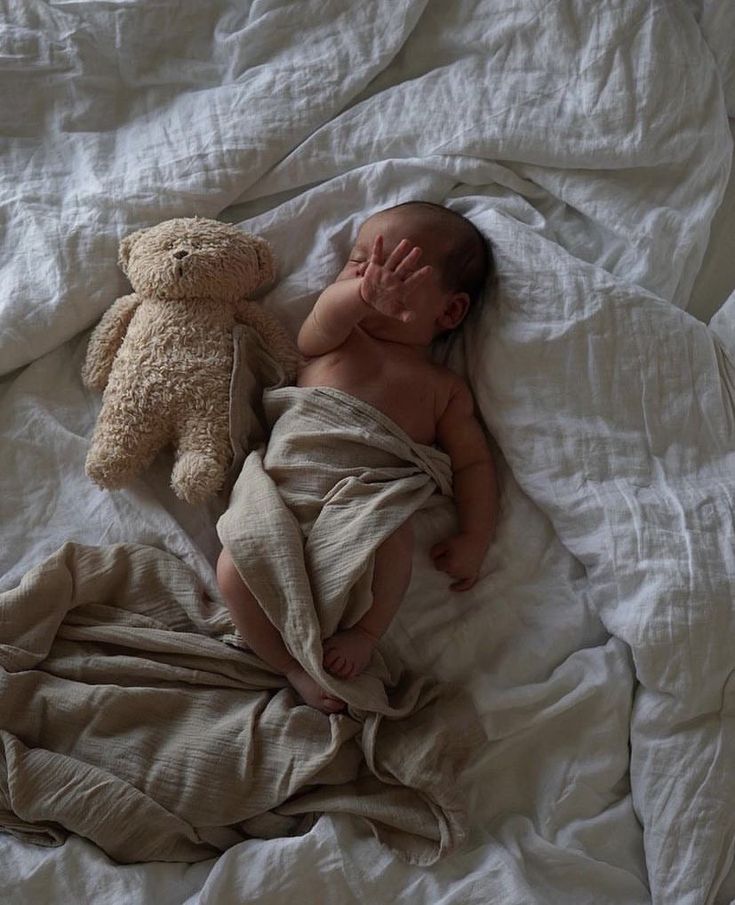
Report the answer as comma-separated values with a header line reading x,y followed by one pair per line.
x,y
429,300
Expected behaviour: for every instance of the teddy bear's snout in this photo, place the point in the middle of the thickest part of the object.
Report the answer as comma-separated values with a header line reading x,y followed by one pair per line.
x,y
180,253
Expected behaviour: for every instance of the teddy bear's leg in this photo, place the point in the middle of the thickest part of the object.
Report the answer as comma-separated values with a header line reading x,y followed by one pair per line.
x,y
125,441
203,455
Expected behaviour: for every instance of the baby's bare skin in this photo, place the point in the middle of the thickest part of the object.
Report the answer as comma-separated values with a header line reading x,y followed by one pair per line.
x,y
369,334
390,376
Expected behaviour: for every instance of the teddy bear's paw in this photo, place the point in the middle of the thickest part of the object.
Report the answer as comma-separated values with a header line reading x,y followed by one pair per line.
x,y
196,477
107,472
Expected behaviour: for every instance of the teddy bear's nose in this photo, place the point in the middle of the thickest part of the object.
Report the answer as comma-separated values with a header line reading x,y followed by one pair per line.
x,y
181,253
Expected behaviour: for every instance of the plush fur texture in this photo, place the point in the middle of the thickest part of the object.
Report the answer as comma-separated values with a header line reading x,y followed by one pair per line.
x,y
164,354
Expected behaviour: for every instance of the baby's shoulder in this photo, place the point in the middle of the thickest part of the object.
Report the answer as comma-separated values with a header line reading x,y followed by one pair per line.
x,y
450,389
448,379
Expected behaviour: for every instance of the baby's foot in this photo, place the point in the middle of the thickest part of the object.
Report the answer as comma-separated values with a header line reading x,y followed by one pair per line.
x,y
347,653
312,692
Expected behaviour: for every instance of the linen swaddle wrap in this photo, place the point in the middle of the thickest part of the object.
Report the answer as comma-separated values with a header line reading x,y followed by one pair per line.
x,y
128,721
338,477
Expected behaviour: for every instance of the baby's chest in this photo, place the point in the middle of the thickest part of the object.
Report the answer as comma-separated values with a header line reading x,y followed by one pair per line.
x,y
409,389
403,389
405,392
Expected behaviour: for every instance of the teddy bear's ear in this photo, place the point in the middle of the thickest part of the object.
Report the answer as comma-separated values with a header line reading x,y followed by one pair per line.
x,y
126,246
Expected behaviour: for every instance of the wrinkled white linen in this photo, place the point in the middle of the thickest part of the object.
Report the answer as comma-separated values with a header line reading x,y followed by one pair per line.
x,y
717,21
590,142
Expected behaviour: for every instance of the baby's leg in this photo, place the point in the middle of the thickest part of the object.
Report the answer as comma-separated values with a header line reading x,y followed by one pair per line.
x,y
264,639
347,653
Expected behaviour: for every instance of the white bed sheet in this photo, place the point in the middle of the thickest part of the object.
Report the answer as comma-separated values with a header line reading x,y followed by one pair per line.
x,y
591,144
716,278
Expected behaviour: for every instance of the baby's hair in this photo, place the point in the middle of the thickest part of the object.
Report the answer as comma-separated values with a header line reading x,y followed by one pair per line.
x,y
469,263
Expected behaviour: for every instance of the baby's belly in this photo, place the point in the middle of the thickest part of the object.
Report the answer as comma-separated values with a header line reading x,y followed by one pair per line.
x,y
407,402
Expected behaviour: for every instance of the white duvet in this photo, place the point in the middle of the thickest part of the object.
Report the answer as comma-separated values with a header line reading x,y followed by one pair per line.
x,y
590,143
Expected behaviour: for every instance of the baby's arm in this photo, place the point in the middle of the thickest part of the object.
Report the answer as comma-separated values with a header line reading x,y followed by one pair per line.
x,y
338,310
381,285
475,490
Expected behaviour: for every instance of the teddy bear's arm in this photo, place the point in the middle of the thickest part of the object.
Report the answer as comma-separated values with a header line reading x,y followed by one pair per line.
x,y
276,339
105,341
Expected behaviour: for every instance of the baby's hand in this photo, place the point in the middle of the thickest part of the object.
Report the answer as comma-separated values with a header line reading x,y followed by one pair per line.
x,y
460,557
385,286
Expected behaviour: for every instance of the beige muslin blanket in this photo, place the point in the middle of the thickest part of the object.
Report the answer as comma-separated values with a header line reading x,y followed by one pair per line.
x,y
338,477
129,717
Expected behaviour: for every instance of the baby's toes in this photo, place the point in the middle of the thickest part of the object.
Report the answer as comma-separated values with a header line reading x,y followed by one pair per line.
x,y
331,652
332,705
357,668
347,670
334,662
342,667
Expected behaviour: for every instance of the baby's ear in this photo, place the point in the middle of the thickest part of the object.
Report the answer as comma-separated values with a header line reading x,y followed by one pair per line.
x,y
455,310
126,246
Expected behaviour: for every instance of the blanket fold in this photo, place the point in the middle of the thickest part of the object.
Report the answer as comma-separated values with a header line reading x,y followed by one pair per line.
x,y
305,518
337,479
129,717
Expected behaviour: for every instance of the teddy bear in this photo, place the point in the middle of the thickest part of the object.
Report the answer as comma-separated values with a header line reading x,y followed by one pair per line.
x,y
164,354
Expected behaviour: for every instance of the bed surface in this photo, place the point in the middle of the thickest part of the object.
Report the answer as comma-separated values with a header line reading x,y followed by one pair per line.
x,y
594,149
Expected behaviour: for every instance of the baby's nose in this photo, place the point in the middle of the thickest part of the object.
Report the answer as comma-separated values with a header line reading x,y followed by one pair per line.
x,y
181,253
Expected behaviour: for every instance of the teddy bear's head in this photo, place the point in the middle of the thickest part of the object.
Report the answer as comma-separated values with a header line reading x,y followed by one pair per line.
x,y
191,258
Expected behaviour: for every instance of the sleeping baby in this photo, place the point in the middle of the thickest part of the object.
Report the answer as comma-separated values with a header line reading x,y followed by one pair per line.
x,y
412,275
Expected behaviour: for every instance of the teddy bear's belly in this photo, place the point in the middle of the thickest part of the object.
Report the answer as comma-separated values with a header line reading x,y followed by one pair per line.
x,y
174,371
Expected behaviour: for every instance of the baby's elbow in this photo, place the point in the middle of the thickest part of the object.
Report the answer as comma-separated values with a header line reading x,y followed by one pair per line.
x,y
306,343
313,340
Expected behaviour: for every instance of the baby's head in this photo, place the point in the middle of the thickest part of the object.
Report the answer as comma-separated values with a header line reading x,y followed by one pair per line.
x,y
460,257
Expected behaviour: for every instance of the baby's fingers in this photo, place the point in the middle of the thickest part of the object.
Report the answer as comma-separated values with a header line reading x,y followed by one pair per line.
x,y
444,562
406,267
464,585
419,277
401,251
376,256
440,549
